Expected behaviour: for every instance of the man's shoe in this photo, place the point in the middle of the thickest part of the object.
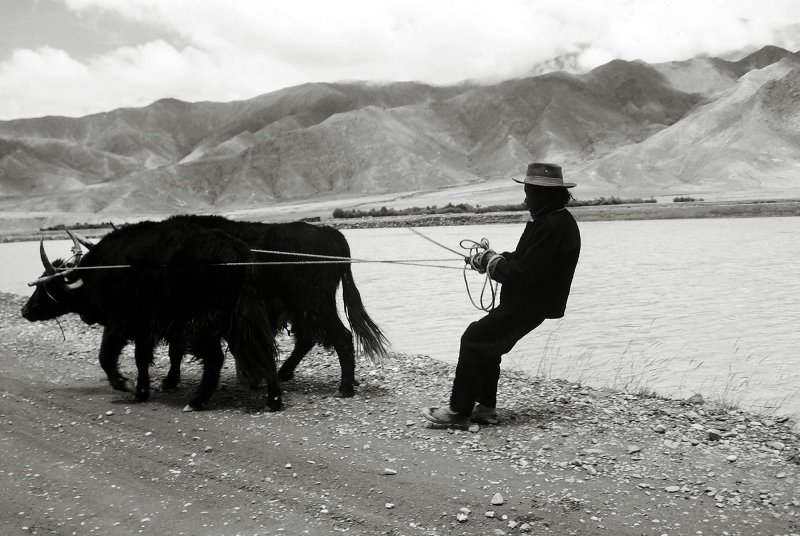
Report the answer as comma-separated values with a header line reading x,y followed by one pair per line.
x,y
484,415
445,417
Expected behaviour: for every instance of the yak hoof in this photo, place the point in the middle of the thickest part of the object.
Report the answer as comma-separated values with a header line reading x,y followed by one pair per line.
x,y
193,405
275,404
345,393
124,384
168,385
356,383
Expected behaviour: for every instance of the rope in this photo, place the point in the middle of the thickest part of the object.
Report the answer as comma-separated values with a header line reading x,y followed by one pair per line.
x,y
327,259
410,262
435,242
475,248
470,245
331,259
343,260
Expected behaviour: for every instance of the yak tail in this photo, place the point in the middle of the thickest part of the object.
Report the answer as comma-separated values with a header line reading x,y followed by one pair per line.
x,y
252,339
368,335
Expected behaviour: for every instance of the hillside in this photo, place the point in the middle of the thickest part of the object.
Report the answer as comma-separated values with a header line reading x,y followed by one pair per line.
x,y
746,139
704,125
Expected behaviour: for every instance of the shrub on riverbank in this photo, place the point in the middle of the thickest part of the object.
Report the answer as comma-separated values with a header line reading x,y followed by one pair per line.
x,y
79,226
466,208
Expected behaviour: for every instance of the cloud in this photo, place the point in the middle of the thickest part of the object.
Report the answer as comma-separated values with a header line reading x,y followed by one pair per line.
x,y
237,50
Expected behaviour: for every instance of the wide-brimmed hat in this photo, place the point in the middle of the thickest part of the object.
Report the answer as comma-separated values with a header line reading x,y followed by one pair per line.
x,y
544,175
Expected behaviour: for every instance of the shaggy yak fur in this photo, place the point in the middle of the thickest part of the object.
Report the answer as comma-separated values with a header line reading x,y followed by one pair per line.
x,y
302,294
172,282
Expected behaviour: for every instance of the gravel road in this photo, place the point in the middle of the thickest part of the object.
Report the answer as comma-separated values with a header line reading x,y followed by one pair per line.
x,y
78,458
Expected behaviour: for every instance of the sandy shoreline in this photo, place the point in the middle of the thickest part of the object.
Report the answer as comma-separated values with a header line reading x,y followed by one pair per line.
x,y
566,459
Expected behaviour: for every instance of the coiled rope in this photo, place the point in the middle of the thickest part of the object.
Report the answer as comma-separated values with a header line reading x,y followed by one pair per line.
x,y
474,248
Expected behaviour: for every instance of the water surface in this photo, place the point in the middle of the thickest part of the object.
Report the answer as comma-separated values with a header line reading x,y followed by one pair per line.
x,y
679,306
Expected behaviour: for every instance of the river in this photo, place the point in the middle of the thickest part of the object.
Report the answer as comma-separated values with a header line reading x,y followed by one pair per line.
x,y
674,306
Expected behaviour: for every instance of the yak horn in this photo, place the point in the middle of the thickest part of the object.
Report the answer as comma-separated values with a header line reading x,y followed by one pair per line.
x,y
76,247
48,266
88,244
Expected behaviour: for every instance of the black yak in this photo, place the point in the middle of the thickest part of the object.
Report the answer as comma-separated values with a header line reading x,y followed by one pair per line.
x,y
171,282
304,295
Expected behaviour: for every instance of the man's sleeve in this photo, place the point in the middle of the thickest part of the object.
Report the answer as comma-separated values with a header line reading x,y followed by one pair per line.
x,y
530,265
508,255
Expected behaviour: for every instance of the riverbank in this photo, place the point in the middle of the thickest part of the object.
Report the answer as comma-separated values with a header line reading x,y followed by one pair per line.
x,y
633,211
565,459
27,230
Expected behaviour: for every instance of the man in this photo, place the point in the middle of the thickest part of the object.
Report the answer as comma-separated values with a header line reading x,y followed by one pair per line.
x,y
536,279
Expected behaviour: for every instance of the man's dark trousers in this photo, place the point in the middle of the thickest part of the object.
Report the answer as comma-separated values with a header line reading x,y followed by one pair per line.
x,y
483,345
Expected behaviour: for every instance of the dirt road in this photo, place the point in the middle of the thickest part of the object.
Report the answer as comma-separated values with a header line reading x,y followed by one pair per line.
x,y
78,458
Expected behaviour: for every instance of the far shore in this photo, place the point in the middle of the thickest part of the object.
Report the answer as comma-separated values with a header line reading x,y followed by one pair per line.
x,y
761,208
630,211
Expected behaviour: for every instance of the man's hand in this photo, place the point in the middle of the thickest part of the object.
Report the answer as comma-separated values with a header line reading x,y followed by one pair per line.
x,y
480,261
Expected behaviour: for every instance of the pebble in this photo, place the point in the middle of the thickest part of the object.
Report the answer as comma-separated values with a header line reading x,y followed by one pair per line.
x,y
660,428
732,458
633,449
672,489
389,472
490,513
497,499
696,399
462,517
389,505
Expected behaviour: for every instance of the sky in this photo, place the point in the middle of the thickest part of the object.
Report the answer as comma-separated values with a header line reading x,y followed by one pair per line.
x,y
78,57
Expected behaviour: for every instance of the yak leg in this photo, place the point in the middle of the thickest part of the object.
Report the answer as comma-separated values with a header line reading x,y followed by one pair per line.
x,y
110,348
210,353
173,377
303,343
144,358
342,340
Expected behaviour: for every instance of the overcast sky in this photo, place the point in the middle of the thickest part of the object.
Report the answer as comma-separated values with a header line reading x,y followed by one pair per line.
x,y
76,57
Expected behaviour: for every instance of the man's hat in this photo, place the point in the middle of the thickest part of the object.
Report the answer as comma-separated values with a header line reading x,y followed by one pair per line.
x,y
544,175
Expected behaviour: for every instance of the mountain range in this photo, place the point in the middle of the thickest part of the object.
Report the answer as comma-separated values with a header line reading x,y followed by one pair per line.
x,y
704,125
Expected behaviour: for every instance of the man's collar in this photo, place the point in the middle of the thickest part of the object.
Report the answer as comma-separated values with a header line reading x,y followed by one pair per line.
x,y
545,215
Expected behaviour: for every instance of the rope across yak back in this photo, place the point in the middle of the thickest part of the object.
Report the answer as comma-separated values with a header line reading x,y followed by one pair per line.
x,y
474,249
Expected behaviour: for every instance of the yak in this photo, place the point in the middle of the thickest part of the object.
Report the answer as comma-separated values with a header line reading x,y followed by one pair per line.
x,y
172,282
303,294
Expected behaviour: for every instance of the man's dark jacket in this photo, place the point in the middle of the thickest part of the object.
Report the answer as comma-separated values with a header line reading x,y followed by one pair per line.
x,y
537,276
